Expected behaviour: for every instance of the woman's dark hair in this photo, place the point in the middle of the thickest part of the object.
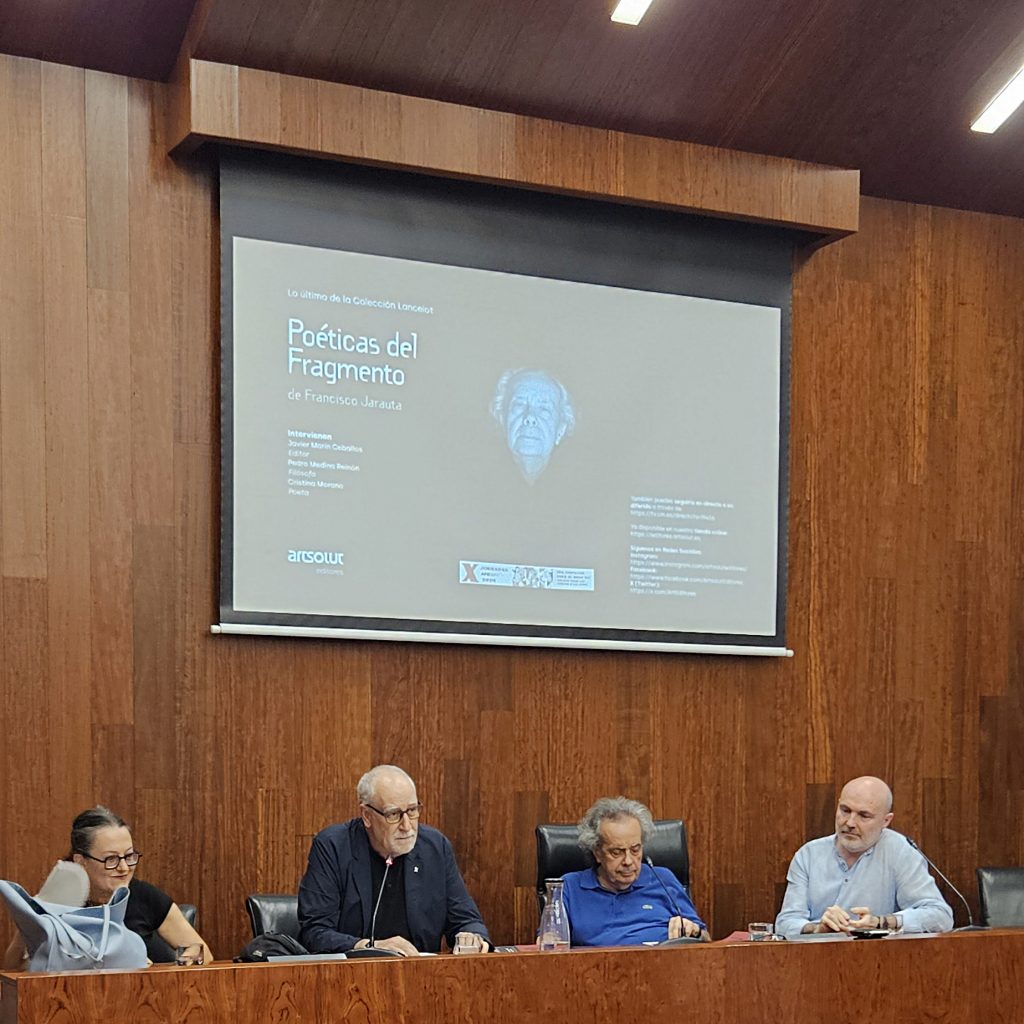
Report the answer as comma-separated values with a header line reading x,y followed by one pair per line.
x,y
87,824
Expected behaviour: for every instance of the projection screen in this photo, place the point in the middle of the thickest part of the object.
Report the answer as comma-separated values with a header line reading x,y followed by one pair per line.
x,y
463,413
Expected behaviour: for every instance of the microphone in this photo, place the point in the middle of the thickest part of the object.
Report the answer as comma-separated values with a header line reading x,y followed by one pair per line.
x,y
675,906
370,950
971,926
380,893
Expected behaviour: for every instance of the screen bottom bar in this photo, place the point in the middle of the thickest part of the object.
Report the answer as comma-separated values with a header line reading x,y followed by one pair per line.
x,y
508,641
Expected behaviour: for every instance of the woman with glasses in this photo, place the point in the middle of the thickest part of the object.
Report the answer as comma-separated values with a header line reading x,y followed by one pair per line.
x,y
102,845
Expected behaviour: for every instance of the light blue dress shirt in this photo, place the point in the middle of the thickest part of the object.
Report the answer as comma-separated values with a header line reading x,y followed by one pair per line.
x,y
890,878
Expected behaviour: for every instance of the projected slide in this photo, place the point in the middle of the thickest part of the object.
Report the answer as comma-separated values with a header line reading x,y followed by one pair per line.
x,y
415,441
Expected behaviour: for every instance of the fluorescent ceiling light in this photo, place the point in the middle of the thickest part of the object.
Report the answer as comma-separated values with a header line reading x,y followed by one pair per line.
x,y
629,12
1005,102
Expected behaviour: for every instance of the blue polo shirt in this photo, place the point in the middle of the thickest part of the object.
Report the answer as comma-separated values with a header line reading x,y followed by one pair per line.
x,y
599,917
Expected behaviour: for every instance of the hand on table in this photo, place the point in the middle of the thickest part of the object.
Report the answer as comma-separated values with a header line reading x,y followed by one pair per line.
x,y
836,919
396,942
865,919
680,926
469,942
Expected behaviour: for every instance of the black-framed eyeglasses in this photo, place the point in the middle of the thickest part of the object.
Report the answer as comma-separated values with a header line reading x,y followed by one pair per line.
x,y
394,817
131,858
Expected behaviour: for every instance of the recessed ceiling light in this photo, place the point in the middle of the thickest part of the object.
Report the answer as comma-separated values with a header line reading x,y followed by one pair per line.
x,y
1002,105
629,12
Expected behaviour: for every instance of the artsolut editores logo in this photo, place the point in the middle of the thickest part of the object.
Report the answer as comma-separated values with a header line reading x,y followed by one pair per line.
x,y
327,562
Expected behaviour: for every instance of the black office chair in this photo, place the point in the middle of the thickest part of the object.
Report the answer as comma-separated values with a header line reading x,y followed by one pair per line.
x,y
1001,896
558,852
273,912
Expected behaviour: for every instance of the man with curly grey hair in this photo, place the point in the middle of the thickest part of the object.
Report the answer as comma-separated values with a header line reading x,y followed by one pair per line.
x,y
621,901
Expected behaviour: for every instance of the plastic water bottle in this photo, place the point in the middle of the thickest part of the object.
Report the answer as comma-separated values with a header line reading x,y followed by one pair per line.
x,y
553,935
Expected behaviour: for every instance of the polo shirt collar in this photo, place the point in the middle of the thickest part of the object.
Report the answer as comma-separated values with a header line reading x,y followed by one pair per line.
x,y
590,881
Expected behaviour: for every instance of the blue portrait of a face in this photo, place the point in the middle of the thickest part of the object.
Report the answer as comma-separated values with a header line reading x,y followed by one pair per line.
x,y
535,412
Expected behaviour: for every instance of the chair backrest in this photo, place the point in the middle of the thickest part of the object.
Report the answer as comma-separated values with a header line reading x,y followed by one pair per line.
x,y
558,852
273,912
1001,896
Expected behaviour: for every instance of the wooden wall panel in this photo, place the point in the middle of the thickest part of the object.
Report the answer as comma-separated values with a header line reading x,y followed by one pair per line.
x,y
22,416
63,219
227,753
107,362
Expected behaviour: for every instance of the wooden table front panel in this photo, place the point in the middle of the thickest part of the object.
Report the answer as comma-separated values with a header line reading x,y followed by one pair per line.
x,y
965,977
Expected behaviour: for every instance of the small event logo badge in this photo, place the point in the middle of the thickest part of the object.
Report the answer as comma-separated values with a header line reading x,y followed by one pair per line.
x,y
507,574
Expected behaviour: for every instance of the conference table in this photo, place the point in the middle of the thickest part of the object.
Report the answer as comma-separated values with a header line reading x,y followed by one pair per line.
x,y
967,976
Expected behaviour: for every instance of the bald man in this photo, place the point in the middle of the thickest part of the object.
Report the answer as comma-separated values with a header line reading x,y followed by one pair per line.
x,y
863,876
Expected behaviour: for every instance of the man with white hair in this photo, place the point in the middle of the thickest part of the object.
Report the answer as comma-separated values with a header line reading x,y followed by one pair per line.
x,y
535,413
864,875
383,879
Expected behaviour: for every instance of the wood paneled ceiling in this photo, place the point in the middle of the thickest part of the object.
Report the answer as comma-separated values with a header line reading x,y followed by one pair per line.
x,y
888,88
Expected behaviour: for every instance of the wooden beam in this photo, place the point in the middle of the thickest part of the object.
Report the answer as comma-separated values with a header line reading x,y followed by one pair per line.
x,y
244,106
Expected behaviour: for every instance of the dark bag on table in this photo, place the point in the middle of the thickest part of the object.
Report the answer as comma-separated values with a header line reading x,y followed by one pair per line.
x,y
270,944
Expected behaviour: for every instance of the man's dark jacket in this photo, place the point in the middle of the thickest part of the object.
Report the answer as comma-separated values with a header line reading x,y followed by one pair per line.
x,y
336,893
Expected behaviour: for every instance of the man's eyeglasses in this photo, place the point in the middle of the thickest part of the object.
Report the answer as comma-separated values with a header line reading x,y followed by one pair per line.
x,y
131,858
394,817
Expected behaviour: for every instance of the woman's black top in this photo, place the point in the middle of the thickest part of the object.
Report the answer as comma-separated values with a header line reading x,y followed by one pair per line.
x,y
147,909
